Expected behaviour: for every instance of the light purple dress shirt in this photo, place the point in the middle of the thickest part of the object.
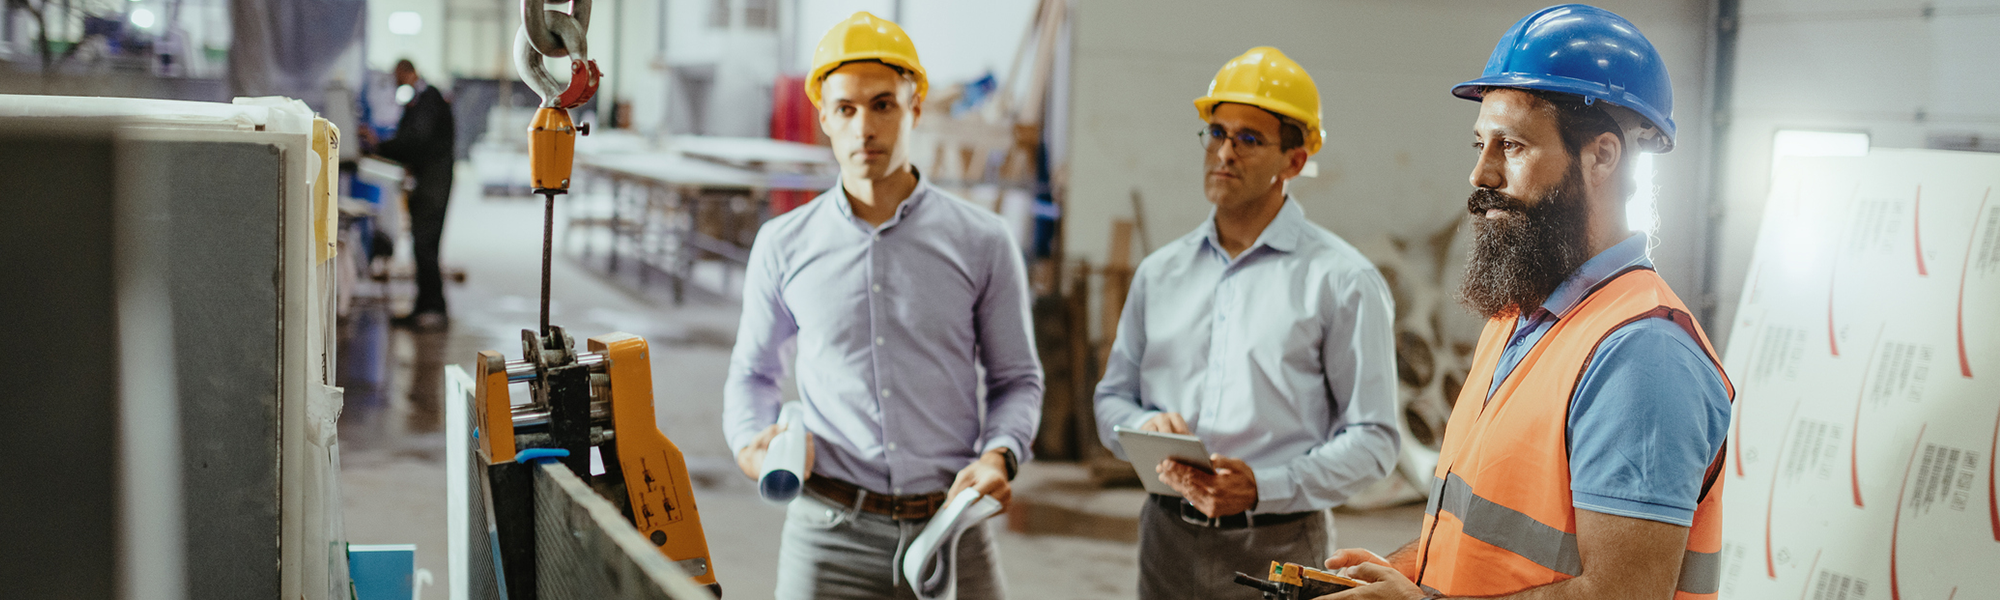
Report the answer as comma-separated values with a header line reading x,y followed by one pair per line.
x,y
891,326
1283,356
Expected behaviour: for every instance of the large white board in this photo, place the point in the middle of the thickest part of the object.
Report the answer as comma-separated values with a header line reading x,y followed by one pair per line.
x,y
1866,358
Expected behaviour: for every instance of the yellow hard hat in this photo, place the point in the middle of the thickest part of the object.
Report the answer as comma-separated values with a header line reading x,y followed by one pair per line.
x,y
1267,79
864,37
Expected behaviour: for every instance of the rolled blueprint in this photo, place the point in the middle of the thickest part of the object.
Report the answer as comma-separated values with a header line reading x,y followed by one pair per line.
x,y
930,563
785,461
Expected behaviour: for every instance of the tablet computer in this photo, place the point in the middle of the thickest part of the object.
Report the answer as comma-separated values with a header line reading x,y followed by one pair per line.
x,y
1147,448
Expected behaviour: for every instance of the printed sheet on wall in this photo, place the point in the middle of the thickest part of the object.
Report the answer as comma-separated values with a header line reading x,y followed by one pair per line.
x,y
1866,355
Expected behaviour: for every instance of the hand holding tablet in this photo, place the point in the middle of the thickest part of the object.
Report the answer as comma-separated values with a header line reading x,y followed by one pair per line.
x,y
1147,448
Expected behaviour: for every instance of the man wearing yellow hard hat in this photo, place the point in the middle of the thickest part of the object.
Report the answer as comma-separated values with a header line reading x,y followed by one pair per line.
x,y
894,295
1263,334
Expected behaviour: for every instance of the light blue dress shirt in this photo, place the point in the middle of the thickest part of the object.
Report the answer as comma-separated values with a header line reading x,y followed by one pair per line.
x,y
1650,412
1283,357
890,326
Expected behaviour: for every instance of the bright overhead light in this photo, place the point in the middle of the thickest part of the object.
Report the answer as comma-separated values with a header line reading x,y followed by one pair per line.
x,y
405,22
142,18
1794,142
405,93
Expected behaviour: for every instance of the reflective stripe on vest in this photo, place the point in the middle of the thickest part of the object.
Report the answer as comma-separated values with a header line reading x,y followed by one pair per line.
x,y
1501,518
1508,529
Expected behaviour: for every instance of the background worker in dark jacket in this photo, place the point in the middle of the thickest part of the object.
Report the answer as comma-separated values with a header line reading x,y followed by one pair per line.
x,y
423,144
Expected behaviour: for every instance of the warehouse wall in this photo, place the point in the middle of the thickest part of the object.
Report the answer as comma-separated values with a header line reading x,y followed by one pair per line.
x,y
1911,74
958,41
1397,153
426,48
742,55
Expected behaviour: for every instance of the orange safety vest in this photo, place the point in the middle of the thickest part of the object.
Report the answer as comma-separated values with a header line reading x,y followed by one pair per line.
x,y
1500,518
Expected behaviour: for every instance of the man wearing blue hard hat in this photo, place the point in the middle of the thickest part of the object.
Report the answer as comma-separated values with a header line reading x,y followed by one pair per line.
x,y
1583,457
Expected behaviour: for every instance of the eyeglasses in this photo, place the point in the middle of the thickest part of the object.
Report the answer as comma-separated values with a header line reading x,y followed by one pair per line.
x,y
1211,138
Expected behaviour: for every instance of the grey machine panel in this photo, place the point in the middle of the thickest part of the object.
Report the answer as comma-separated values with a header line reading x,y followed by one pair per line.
x,y
222,209
213,213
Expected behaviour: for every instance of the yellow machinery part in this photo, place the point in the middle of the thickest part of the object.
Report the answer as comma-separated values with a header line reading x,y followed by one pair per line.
x,y
494,418
1279,574
656,476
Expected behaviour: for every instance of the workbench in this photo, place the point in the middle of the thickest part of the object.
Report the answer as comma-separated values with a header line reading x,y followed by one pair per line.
x,y
700,199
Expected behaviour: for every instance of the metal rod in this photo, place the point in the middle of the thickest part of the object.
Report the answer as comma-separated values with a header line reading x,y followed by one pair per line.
x,y
522,370
526,416
548,239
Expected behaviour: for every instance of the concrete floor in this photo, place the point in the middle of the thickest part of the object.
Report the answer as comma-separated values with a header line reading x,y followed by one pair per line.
x,y
1067,539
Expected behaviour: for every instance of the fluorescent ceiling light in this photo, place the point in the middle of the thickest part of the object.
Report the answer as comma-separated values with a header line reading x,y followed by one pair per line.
x,y
405,22
1796,142
142,18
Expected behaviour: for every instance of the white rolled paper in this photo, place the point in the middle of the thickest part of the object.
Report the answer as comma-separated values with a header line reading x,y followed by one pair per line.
x,y
930,563
785,462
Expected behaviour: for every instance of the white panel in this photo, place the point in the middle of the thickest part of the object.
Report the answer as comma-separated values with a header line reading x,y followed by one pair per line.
x,y
1864,361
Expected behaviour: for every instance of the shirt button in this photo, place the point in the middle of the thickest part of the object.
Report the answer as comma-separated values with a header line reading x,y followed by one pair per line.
x,y
885,392
879,341
892,446
878,236
876,287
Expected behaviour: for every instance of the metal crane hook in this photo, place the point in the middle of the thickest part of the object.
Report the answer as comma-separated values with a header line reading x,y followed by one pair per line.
x,y
548,33
540,24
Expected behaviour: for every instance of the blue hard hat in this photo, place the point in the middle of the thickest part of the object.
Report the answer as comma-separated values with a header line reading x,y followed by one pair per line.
x,y
1583,50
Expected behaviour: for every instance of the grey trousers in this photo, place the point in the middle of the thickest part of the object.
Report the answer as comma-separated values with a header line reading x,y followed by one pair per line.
x,y
834,552
1178,559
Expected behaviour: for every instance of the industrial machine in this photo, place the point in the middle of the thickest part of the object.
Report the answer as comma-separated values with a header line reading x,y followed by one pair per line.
x,y
593,402
172,429
598,398
1291,581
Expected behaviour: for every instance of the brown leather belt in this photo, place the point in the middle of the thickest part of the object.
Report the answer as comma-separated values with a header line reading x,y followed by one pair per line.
x,y
913,507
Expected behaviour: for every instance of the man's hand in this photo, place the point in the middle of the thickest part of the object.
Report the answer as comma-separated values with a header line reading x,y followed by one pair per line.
x,y
1167,422
1348,557
367,135
1231,489
988,476
1627,558
751,459
1384,583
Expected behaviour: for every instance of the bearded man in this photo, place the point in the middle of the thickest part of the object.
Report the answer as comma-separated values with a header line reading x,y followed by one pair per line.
x,y
1581,459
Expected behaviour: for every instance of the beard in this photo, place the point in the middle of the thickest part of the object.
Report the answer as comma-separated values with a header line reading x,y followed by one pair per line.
x,y
1518,259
